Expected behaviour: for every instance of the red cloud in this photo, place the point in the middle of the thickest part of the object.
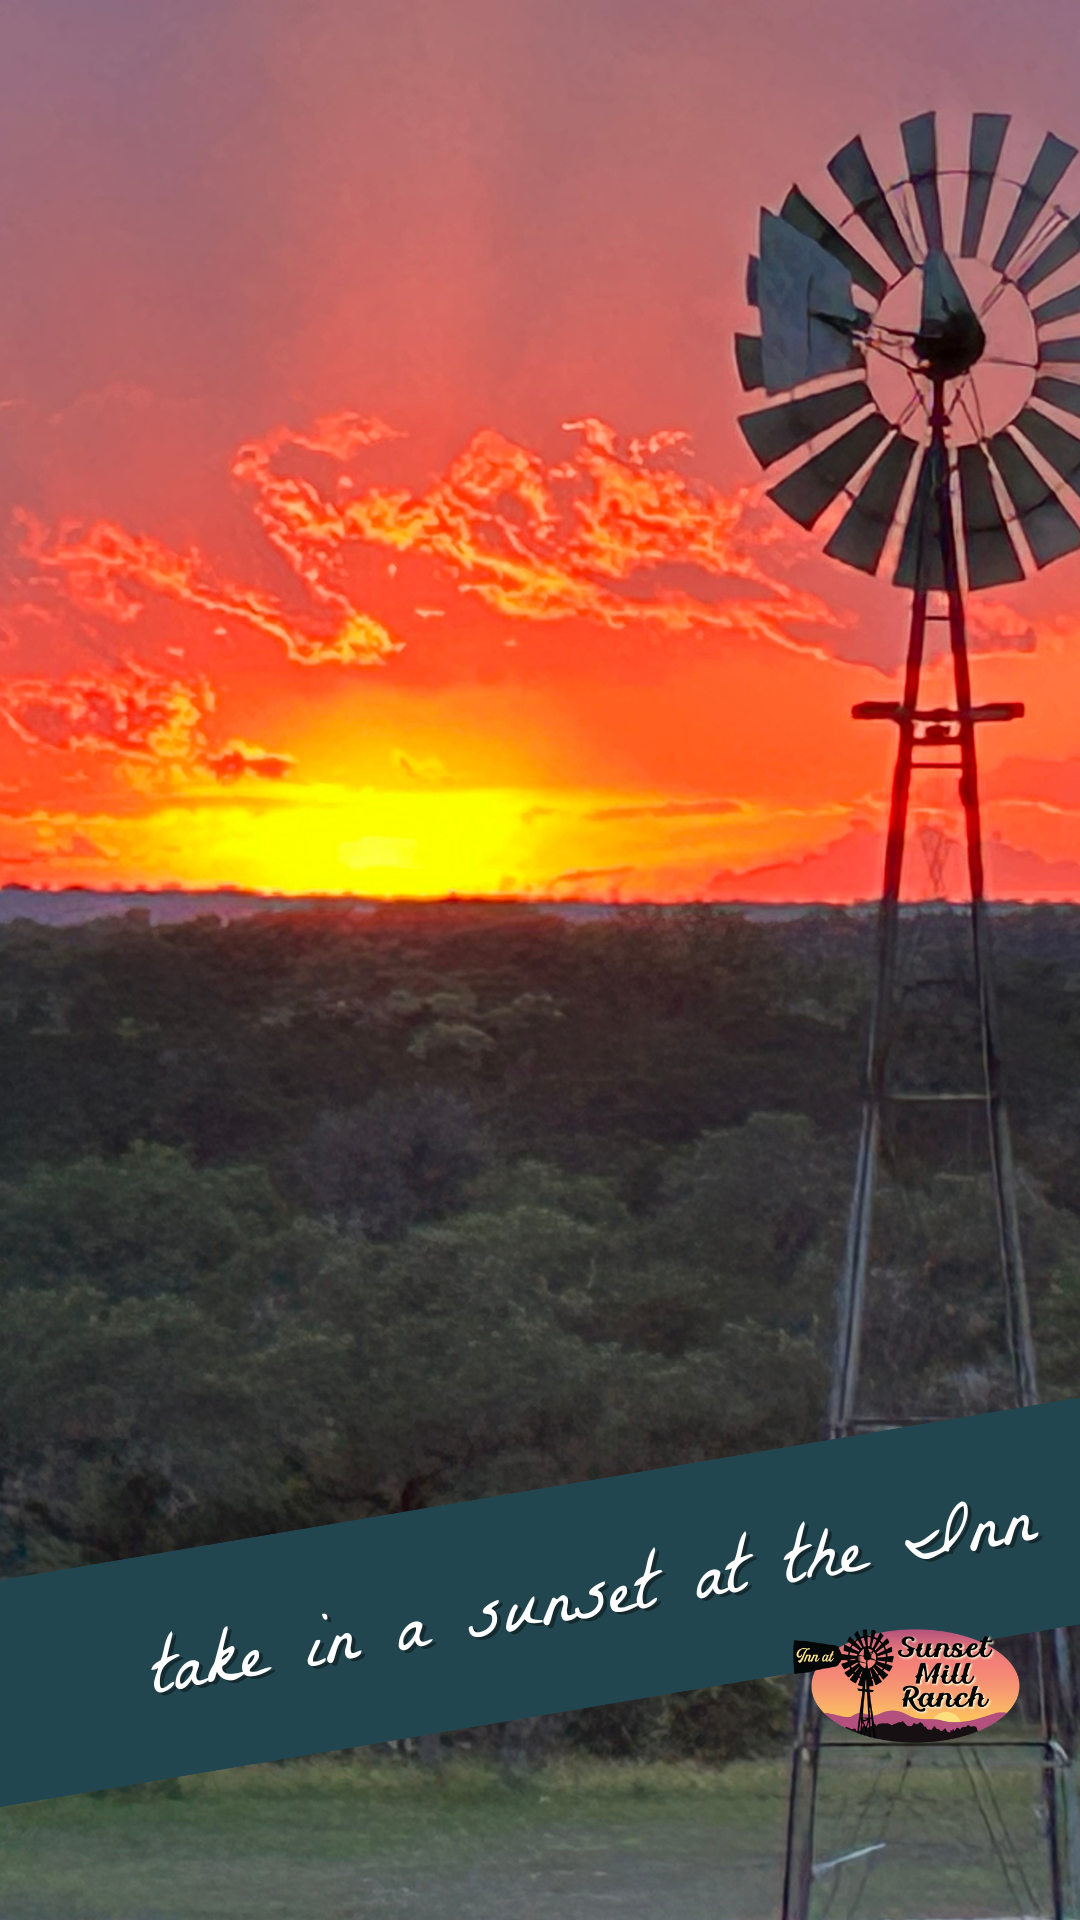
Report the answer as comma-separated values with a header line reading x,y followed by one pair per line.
x,y
238,758
134,712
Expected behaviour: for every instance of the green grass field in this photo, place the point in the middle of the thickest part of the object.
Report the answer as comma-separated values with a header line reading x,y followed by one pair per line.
x,y
346,1838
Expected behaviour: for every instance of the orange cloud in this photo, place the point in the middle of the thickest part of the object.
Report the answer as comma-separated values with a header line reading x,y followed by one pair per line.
x,y
427,767
537,541
596,536
102,567
588,877
79,847
667,810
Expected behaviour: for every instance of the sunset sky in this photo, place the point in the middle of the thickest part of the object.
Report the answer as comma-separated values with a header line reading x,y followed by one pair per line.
x,y
374,513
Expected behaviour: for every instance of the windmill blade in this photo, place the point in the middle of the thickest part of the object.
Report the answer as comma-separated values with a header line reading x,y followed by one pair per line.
x,y
859,184
805,494
748,361
859,540
1049,164
1056,444
921,565
992,560
1060,350
1060,308
988,132
1062,394
801,214
1062,248
776,431
1048,529
920,151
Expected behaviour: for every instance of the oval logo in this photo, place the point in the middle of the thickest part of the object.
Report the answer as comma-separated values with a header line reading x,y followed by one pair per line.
x,y
916,1684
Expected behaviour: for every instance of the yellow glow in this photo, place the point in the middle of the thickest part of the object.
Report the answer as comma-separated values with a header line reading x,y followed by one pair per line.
x,y
400,842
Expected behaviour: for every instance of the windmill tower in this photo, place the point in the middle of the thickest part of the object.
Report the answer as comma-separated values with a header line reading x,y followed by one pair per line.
x,y
925,382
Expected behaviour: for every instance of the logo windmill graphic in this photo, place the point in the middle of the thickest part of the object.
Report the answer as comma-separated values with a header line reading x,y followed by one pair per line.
x,y
867,1660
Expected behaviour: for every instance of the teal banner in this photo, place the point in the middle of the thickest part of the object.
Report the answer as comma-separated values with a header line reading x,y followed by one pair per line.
x,y
533,1603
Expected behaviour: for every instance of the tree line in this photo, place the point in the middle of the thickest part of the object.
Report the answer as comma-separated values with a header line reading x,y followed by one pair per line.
x,y
319,1216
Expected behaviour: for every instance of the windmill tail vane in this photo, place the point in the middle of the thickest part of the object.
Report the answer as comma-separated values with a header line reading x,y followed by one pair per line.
x,y
916,373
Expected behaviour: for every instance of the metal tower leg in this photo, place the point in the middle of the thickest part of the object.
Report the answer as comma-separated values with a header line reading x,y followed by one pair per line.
x,y
853,1273
1070,1785
1052,1650
852,1291
799,1854
1003,1174
1061,1809
1061,1771
1052,1799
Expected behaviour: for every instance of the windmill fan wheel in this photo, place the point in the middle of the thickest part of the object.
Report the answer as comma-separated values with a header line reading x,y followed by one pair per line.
x,y
983,267
866,1659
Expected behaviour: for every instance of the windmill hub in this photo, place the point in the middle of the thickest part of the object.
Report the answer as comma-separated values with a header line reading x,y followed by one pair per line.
x,y
948,348
951,337
984,351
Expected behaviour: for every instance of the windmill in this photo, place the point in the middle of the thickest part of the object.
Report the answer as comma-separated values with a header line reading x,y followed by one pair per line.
x,y
867,1660
915,378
